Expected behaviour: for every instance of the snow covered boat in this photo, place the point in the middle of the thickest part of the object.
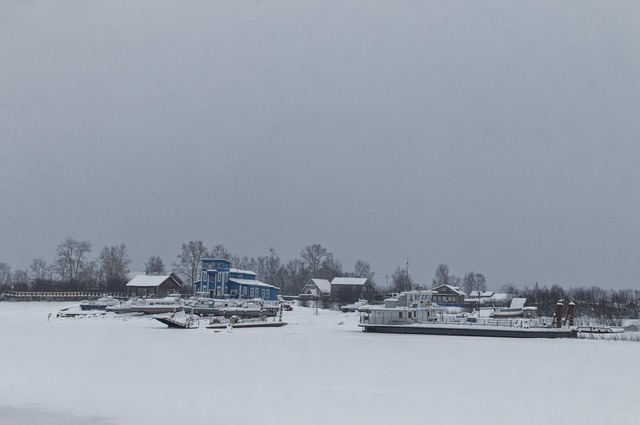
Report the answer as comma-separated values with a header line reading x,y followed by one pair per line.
x,y
349,308
515,309
413,313
227,307
100,304
179,321
238,323
148,306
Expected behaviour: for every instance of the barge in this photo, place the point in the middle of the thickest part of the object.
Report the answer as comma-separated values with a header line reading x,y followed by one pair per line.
x,y
413,313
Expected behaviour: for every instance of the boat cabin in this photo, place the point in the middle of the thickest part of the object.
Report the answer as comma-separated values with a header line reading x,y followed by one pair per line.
x,y
408,307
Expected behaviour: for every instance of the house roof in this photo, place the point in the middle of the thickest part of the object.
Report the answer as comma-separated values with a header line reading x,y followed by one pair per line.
x,y
150,281
453,289
242,271
350,281
323,285
251,282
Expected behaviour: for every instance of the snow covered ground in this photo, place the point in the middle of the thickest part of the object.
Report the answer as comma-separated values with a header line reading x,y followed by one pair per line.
x,y
316,370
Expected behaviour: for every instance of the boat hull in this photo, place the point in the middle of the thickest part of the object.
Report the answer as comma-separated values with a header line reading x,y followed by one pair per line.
x,y
242,325
87,307
175,323
480,331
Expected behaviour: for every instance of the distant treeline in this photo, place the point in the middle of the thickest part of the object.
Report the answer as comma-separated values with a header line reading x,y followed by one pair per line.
x,y
607,306
72,269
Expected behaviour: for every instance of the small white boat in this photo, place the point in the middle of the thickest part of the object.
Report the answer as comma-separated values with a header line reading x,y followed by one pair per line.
x,y
180,321
100,304
357,306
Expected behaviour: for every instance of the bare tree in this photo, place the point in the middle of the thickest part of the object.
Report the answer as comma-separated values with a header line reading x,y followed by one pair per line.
x,y
442,275
21,280
363,269
480,282
295,277
270,268
70,260
91,276
400,280
114,266
188,264
469,282
154,266
314,256
219,251
40,273
5,275
39,269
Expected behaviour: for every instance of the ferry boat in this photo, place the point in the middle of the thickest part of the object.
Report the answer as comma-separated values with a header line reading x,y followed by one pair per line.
x,y
413,312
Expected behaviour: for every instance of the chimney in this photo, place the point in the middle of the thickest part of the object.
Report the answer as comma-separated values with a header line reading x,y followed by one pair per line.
x,y
557,317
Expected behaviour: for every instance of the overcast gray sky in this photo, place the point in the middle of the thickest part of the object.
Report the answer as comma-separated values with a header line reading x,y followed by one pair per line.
x,y
501,137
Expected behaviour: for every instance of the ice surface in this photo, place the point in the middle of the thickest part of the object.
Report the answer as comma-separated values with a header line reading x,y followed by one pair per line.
x,y
319,369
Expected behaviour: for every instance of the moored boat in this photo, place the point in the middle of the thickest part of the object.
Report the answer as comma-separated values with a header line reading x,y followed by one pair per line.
x,y
238,323
357,306
413,313
100,304
228,307
148,306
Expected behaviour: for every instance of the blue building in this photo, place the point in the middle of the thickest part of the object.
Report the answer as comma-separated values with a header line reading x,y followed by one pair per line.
x,y
218,279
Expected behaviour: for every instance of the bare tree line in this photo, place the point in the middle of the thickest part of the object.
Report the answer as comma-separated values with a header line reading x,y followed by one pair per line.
x,y
73,269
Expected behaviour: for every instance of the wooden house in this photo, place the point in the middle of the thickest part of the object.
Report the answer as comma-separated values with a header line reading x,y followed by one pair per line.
x,y
346,290
155,286
316,289
448,295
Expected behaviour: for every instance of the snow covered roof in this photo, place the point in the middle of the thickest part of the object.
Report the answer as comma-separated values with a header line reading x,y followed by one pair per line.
x,y
454,289
251,282
485,294
242,271
351,281
323,285
149,281
517,302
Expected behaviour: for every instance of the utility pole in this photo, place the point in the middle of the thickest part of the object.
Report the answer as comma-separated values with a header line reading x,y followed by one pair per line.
x,y
407,285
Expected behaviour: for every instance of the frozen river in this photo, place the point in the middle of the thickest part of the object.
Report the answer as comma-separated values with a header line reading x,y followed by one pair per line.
x,y
319,369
